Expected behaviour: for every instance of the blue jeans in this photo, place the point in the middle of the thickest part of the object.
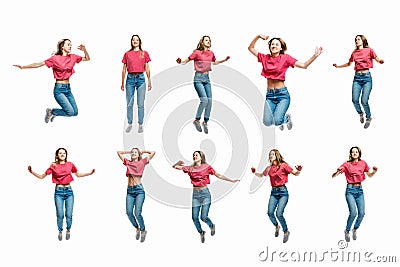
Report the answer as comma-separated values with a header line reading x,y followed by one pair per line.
x,y
201,201
64,196
362,86
202,85
276,104
135,196
64,97
355,201
277,201
135,82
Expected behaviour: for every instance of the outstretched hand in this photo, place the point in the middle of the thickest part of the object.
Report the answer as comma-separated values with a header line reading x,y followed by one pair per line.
x,y
264,37
18,66
299,167
253,170
178,163
318,51
82,47
178,60
30,168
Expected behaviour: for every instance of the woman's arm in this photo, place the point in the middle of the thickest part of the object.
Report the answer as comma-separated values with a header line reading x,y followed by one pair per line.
x,y
258,174
304,65
343,65
223,177
79,175
374,170
381,61
121,154
123,76
297,171
338,171
221,61
31,66
83,48
40,176
253,43
179,61
178,165
148,77
150,154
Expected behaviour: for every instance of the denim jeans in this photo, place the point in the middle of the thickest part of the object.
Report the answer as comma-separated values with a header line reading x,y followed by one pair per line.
x,y
135,82
135,196
277,201
276,104
362,86
201,201
64,97
355,201
64,196
202,85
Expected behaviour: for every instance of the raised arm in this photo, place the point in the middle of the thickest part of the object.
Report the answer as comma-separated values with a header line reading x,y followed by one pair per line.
x,y
179,61
304,65
80,175
297,171
83,48
374,170
253,44
221,61
121,154
178,165
148,77
123,76
223,177
150,153
31,66
338,171
40,176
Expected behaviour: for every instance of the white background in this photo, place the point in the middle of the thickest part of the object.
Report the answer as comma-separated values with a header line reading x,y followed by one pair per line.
x,y
325,127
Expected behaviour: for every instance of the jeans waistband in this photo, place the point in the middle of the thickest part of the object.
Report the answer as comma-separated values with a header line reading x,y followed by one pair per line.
x,y
357,185
135,186
62,85
201,74
63,186
277,90
362,73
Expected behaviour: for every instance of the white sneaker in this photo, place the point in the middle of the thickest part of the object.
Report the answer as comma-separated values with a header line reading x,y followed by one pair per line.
x,y
129,128
140,129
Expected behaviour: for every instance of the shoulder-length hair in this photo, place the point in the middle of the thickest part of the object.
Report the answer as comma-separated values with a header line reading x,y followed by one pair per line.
x,y
200,45
283,45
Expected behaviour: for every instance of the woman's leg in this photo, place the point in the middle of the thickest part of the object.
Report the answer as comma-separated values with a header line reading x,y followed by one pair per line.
x,y
282,106
69,206
360,203
351,203
272,204
59,202
282,202
130,92
130,202
72,102
207,111
269,109
205,207
355,94
201,92
139,200
366,91
141,94
196,204
61,95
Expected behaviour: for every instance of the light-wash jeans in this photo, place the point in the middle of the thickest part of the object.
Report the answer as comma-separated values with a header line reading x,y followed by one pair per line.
x,y
276,104
135,82
355,201
64,196
201,201
135,196
202,85
277,201
362,86
64,97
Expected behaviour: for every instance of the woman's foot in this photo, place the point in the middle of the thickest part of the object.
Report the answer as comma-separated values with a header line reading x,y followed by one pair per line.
x,y
48,115
213,229
197,125
354,234
129,128
137,233
202,236
60,235
143,235
347,236
361,117
205,127
367,122
140,129
289,122
277,230
286,236
68,235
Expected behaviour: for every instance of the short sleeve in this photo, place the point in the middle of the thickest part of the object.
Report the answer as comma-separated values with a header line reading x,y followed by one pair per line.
x,y
186,169
125,160
193,56
49,62
366,167
211,170
351,59
76,58
372,54
213,57
124,58
291,61
145,160
73,168
287,168
266,171
49,170
261,57
146,57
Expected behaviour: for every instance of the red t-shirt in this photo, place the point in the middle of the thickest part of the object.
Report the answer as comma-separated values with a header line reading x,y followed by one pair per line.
x,y
199,175
135,62
278,175
355,171
363,58
63,66
275,67
202,60
61,173
135,168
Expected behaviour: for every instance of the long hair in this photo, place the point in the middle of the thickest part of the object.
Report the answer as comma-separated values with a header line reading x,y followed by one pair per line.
x,y
200,45
60,45
359,153
283,45
278,157
139,152
364,40
140,45
56,159
202,156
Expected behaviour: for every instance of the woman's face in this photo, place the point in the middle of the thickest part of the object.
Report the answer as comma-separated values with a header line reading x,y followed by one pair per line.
x,y
272,156
62,155
196,157
275,46
355,154
207,42
135,154
135,41
67,46
359,41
